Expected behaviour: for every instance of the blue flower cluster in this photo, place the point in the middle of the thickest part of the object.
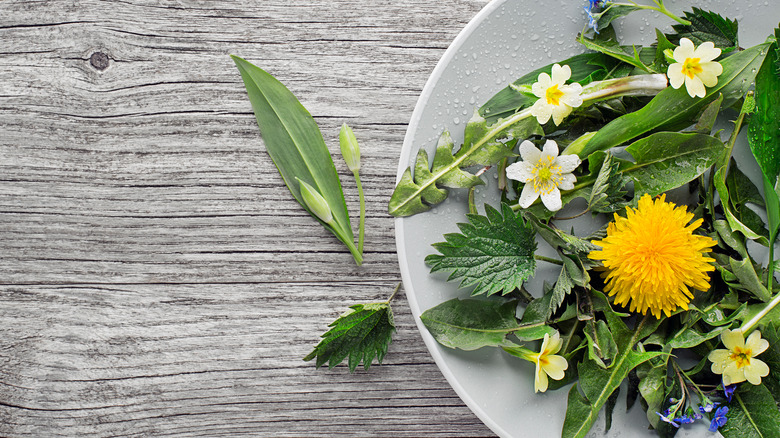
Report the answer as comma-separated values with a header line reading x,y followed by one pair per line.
x,y
717,412
592,4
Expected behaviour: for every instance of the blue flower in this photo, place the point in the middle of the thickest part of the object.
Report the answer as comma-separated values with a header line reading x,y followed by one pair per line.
x,y
708,407
686,419
591,19
667,419
719,419
728,391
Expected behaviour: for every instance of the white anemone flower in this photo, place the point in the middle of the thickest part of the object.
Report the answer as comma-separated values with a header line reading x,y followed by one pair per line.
x,y
556,99
694,67
544,173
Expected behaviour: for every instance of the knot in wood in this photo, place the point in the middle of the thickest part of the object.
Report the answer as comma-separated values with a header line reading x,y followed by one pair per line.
x,y
99,60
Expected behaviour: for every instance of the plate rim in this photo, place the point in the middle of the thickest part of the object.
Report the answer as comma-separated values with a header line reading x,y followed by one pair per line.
x,y
401,250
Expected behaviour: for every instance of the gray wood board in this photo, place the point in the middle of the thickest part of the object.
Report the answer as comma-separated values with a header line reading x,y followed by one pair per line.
x,y
156,277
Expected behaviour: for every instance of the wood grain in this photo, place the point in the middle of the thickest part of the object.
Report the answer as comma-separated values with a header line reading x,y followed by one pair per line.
x,y
156,278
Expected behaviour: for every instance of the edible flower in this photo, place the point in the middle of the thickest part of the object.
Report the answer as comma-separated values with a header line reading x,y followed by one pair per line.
x,y
728,391
544,173
738,361
667,418
719,419
548,363
694,67
556,99
653,258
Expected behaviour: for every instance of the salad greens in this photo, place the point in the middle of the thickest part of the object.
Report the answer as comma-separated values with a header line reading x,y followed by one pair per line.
x,y
620,127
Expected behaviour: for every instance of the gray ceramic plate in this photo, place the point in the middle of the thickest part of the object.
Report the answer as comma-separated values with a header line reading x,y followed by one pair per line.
x,y
504,41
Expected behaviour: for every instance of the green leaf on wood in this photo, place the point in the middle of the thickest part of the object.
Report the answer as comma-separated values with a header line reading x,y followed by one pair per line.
x,y
494,253
360,334
296,146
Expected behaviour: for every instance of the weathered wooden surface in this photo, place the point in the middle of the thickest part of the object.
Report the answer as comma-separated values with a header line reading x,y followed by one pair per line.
x,y
156,278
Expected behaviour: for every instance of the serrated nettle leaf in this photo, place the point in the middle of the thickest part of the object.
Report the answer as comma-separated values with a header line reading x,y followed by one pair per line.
x,y
673,109
748,279
707,26
667,160
606,193
361,334
295,144
471,323
752,413
494,253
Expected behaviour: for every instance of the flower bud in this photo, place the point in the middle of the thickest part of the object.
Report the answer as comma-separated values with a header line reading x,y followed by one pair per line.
x,y
315,202
349,148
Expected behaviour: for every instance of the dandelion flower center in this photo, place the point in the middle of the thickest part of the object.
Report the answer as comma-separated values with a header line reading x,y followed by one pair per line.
x,y
553,95
652,259
691,67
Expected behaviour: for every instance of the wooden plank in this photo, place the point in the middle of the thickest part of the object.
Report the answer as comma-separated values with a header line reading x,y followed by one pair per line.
x,y
156,278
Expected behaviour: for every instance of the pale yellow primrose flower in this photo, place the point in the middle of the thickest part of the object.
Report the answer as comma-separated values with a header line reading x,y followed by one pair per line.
x,y
548,363
544,173
556,99
694,67
738,361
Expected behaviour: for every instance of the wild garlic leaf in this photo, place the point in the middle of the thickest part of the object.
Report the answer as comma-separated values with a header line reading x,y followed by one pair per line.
x,y
707,26
494,253
361,334
606,195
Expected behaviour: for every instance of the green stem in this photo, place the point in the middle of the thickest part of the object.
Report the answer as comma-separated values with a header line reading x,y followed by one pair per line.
x,y
548,259
659,8
748,325
362,223
395,292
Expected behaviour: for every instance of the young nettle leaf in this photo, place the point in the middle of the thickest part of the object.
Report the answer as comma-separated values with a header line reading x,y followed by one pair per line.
x,y
359,335
607,194
707,26
494,253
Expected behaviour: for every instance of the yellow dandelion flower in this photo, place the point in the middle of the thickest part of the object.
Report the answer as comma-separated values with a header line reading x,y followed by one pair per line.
x,y
652,258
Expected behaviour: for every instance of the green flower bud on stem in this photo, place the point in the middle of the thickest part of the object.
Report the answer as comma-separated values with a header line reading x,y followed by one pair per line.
x,y
316,203
349,148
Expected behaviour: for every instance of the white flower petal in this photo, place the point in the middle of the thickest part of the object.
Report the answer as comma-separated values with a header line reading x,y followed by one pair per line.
x,y
706,52
695,87
708,78
571,98
676,76
684,50
755,371
755,344
527,196
560,112
732,339
540,380
520,171
568,162
550,149
555,367
567,182
552,199
543,82
542,111
560,74
529,152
